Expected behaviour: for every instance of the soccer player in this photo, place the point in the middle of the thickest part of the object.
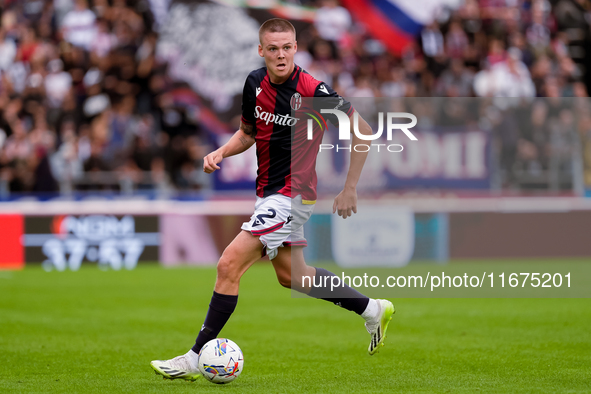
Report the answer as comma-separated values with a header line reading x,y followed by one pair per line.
x,y
286,192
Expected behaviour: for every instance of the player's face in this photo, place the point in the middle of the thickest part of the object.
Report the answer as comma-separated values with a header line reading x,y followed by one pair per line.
x,y
278,49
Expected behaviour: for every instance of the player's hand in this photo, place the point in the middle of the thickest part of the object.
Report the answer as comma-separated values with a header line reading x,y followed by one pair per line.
x,y
211,161
345,204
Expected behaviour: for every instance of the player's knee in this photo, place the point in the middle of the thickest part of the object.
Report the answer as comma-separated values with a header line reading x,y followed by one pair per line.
x,y
227,269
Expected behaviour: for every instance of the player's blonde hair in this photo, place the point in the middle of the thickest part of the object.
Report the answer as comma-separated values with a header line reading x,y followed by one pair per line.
x,y
276,25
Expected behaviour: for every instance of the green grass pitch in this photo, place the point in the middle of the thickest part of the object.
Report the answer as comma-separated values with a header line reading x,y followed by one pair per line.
x,y
92,331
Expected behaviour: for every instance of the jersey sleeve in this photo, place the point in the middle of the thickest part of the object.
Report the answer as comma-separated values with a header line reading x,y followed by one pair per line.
x,y
249,101
325,97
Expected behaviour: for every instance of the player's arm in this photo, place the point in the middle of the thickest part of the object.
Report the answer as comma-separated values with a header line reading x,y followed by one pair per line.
x,y
240,142
345,203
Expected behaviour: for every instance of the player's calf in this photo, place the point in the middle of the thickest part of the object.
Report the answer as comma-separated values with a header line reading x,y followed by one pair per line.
x,y
285,281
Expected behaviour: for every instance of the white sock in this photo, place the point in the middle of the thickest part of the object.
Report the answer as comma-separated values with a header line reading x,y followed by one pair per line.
x,y
371,311
193,358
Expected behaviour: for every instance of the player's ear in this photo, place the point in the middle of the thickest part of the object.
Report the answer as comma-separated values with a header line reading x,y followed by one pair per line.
x,y
295,46
261,51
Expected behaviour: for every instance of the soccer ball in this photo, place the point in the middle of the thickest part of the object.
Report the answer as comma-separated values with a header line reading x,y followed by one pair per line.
x,y
221,361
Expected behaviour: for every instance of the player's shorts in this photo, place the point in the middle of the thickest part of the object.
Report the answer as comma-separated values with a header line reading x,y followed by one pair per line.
x,y
279,221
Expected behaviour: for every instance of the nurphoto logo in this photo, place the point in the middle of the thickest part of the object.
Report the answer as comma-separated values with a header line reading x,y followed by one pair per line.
x,y
345,127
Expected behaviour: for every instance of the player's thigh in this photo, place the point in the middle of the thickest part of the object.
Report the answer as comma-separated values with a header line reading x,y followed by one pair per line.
x,y
239,255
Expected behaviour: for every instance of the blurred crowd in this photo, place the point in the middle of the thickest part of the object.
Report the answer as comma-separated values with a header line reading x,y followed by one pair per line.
x,y
84,101
486,48
502,48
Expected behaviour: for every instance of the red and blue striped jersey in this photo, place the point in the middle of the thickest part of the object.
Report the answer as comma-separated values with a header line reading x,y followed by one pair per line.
x,y
286,158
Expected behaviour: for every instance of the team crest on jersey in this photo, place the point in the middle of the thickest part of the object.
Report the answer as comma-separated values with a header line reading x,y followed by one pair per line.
x,y
296,101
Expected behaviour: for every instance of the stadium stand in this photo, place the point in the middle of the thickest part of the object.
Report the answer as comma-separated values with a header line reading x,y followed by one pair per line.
x,y
86,104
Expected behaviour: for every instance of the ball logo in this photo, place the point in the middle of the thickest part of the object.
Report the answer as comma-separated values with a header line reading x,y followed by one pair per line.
x,y
296,101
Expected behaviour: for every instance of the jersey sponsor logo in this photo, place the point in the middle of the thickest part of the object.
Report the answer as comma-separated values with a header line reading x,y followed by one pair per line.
x,y
259,90
296,101
282,120
323,89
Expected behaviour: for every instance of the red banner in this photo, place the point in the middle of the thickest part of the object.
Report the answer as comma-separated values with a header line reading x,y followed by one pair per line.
x,y
11,248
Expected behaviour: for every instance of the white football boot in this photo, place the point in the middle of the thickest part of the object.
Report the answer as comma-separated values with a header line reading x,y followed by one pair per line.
x,y
377,327
180,367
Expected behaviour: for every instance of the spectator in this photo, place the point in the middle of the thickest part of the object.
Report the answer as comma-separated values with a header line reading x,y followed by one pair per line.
x,y
456,41
496,52
456,81
79,26
58,83
396,86
7,51
28,44
432,39
66,165
538,34
434,49
104,41
509,78
332,21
